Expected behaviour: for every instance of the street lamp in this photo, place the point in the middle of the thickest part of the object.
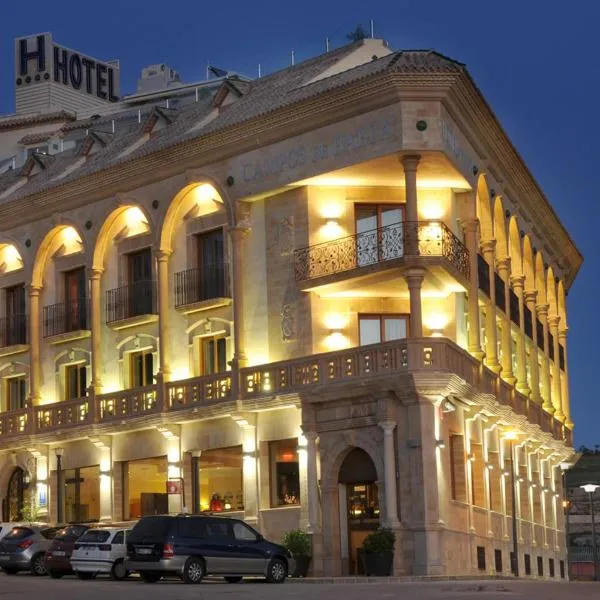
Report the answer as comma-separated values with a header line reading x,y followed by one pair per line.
x,y
590,488
59,491
564,467
511,436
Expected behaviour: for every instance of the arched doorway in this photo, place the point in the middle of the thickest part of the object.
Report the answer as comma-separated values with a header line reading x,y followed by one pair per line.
x,y
16,495
359,506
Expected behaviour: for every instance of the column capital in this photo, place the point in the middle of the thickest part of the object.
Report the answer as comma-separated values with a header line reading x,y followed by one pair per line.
x,y
530,297
470,225
34,290
238,232
96,273
562,333
517,281
388,427
542,310
503,264
196,453
163,255
410,162
310,435
415,276
488,246
553,321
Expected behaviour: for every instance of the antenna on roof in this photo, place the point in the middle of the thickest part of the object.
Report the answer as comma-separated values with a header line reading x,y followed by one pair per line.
x,y
113,125
196,94
326,44
208,70
372,29
259,70
293,58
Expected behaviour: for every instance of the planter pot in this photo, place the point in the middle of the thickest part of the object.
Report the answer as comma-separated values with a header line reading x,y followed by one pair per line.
x,y
377,565
302,566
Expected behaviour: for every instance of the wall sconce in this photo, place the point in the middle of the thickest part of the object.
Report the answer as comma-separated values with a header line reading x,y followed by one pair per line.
x,y
441,444
489,466
534,485
247,454
506,474
471,457
520,480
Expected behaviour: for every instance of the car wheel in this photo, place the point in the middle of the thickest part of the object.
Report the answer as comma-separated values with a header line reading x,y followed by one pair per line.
x,y
38,566
233,579
150,576
193,570
277,571
10,571
55,574
85,575
118,571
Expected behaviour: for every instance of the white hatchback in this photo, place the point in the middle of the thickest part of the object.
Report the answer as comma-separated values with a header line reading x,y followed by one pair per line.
x,y
101,550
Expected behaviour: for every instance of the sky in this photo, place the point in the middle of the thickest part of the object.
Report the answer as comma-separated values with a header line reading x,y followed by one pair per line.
x,y
535,61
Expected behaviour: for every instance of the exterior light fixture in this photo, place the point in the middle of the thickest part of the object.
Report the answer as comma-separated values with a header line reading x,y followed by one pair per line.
x,y
440,444
489,466
590,489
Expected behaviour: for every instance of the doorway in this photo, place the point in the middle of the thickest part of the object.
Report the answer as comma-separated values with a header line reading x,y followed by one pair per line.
x,y
359,506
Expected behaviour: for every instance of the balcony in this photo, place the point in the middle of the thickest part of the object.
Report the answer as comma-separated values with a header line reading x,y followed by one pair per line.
x,y
13,334
131,305
60,415
202,288
132,403
66,321
386,247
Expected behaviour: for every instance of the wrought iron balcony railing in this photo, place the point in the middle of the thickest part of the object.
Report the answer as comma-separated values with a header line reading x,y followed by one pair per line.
x,y
422,238
65,317
129,301
205,283
13,330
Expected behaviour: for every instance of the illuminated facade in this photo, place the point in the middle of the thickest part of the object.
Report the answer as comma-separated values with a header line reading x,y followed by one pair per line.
x,y
321,299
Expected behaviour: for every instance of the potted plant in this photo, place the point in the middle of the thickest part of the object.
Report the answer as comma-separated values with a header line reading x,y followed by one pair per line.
x,y
377,553
299,545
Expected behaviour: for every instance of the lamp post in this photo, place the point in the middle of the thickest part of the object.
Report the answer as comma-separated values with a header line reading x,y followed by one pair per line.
x,y
511,436
590,488
564,467
59,490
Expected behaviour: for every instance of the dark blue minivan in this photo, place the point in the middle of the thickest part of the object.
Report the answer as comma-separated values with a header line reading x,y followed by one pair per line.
x,y
193,546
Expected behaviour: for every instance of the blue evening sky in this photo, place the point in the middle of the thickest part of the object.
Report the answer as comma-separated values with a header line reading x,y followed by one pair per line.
x,y
536,63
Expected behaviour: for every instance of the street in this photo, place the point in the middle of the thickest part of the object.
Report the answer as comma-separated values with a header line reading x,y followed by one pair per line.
x,y
25,586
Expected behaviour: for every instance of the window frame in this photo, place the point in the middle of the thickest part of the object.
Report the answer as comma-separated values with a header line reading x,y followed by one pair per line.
x,y
7,392
143,353
379,209
273,489
206,339
80,367
382,318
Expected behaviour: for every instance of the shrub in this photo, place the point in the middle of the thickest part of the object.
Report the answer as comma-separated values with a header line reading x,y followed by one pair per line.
x,y
379,542
297,542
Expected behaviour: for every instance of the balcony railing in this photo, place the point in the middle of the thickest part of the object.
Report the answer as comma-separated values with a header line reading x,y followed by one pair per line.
x,y
131,301
65,317
63,414
423,238
135,402
198,285
13,330
14,422
199,391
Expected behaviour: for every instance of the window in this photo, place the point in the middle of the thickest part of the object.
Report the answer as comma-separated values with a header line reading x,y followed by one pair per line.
x,y
75,299
481,558
119,538
14,328
477,475
191,528
95,535
562,569
141,287
82,494
220,479
285,473
374,329
498,560
527,564
540,566
141,365
213,355
551,566
16,392
243,533
75,381
457,468
218,529
211,265
146,484
379,232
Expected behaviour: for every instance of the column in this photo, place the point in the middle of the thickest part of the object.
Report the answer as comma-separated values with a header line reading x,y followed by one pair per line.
x,y
530,300
542,313
312,482
414,279
163,314
556,397
237,235
518,283
503,266
491,350
104,445
96,325
250,472
34,344
566,405
470,228
389,465
410,163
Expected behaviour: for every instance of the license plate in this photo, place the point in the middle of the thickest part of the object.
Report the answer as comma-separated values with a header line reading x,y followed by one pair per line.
x,y
59,553
144,550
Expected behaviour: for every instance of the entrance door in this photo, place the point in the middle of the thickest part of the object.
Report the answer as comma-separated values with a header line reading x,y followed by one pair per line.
x,y
359,476
16,495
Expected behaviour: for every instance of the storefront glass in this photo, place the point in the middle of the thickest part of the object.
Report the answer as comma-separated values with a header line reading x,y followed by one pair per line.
x,y
220,479
285,472
146,487
82,494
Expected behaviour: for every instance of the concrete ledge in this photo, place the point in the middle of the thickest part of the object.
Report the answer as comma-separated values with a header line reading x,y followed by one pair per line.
x,y
412,579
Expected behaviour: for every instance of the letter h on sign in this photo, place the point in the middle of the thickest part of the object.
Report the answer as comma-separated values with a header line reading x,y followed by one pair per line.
x,y
25,55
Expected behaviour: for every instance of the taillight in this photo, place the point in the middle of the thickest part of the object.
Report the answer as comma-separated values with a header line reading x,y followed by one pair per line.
x,y
25,544
168,551
105,547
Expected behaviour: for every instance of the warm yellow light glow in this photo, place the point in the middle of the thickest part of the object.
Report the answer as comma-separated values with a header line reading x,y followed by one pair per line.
x,y
336,341
206,193
135,217
70,235
510,434
180,373
255,359
173,455
332,210
173,471
431,209
41,470
335,321
436,321
11,258
332,230
105,463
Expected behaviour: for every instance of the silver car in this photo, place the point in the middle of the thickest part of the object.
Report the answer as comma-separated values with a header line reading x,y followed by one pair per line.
x,y
23,549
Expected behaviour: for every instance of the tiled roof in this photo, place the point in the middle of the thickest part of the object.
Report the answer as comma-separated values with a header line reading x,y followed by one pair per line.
x,y
36,138
19,121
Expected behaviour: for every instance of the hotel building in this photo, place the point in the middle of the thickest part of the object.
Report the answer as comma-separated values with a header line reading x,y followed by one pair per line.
x,y
330,298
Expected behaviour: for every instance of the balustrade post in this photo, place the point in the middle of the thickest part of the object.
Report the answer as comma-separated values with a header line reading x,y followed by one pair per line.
x,y
542,313
470,227
34,343
163,315
530,300
566,405
518,283
559,414
414,278
410,163
96,326
491,351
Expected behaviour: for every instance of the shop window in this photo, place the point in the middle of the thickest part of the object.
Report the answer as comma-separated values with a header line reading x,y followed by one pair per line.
x,y
220,478
75,381
285,473
146,487
374,329
457,468
141,365
15,389
213,355
82,494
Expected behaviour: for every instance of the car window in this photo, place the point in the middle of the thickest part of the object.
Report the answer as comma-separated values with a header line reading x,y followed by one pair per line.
x,y
119,538
242,532
50,533
191,527
19,533
151,527
221,529
95,535
69,534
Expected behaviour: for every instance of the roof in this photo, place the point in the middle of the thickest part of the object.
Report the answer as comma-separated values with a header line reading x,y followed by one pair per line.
x,y
36,138
21,121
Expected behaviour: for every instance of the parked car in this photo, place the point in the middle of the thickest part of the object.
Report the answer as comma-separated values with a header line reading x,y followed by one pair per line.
x,y
58,556
23,549
101,550
194,546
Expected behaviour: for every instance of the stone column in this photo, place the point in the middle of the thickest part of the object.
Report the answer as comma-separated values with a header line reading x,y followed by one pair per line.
x,y
410,163
503,266
559,414
491,350
250,474
389,462
312,483
414,278
518,283
542,313
566,405
530,300
34,344
163,315
470,227
96,326
104,446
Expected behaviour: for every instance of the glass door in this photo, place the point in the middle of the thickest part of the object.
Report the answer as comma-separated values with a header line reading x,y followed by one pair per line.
x,y
379,232
140,282
75,299
15,315
211,264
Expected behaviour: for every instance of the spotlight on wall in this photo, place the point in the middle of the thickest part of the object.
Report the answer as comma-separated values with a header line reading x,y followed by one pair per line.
x,y
440,444
489,466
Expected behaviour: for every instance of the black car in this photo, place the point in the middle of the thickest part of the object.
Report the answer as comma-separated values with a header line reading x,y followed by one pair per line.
x,y
194,546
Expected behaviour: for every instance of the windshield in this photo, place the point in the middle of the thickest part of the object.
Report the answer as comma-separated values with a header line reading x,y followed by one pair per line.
x,y
151,527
